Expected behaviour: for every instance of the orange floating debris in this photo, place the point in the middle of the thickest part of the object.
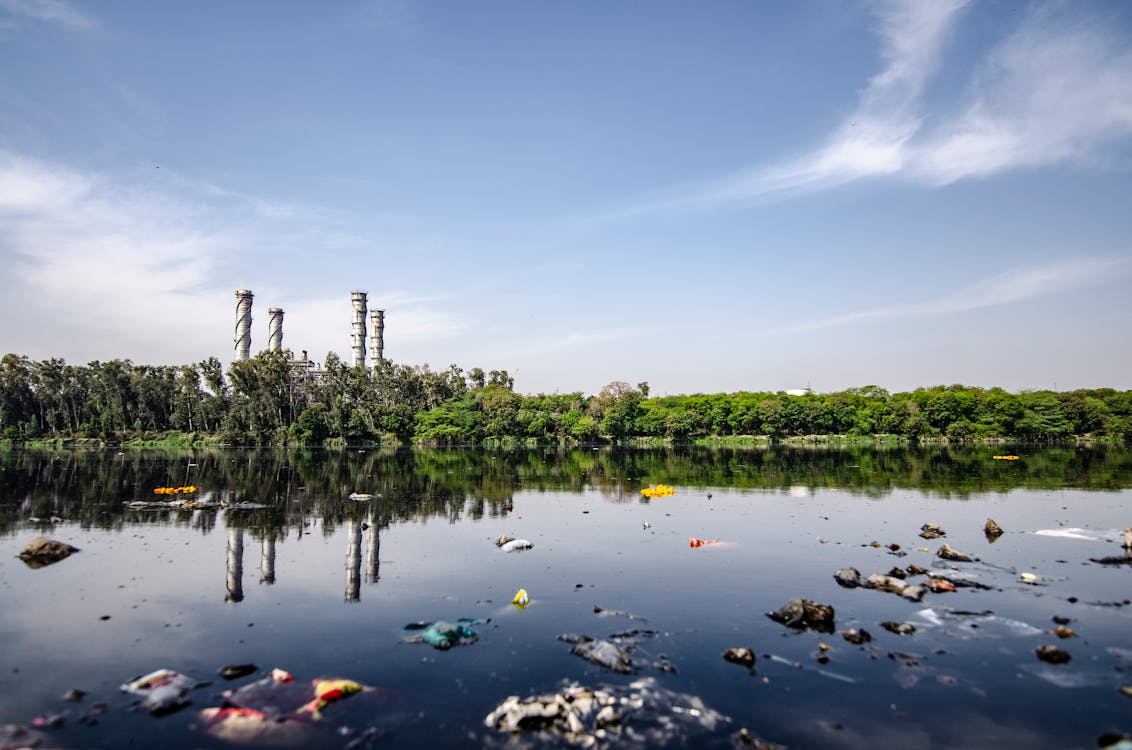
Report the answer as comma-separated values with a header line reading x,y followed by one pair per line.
x,y
693,542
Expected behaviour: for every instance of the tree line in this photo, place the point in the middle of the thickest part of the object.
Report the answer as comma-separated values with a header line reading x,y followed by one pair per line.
x,y
267,401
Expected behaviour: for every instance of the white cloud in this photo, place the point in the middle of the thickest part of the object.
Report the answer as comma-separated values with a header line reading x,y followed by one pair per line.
x,y
1053,91
1014,285
56,12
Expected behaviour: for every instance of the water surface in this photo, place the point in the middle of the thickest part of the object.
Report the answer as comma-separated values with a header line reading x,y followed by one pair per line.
x,y
322,586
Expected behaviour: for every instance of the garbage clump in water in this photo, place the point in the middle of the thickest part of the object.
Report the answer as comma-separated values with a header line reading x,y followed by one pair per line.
x,y
235,671
443,635
992,531
513,545
899,628
163,691
278,710
661,490
856,637
848,578
601,652
693,542
740,655
894,585
1052,654
41,552
16,737
932,530
640,714
803,614
947,553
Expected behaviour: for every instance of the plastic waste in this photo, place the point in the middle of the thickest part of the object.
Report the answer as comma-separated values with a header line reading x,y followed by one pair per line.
x,y
694,543
661,490
521,599
1109,535
642,713
605,654
163,690
327,691
515,544
444,635
603,612
361,497
740,655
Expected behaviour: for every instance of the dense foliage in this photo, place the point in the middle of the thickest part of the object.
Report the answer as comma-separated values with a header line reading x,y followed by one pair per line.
x,y
266,401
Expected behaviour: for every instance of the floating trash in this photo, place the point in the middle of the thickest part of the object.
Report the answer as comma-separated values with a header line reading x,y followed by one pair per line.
x,y
932,531
521,600
514,545
163,690
1006,458
188,489
640,714
740,655
804,614
992,530
695,543
444,635
661,490
601,652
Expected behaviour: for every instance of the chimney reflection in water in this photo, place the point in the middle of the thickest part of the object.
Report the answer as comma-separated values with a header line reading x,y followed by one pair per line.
x,y
353,560
235,565
373,547
267,559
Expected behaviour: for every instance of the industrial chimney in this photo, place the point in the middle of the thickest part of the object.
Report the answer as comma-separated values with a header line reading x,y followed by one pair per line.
x,y
358,337
243,339
377,346
275,329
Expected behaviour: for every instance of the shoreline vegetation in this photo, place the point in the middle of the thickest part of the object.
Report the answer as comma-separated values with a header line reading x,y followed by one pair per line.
x,y
265,401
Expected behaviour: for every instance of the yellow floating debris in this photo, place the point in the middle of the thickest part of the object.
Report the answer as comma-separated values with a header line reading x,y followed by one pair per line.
x,y
174,490
661,490
521,599
1006,458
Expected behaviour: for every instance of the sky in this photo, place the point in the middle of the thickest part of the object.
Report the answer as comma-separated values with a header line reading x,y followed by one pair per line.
x,y
709,197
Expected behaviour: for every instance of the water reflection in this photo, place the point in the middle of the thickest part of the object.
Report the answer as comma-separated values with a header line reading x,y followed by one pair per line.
x,y
353,560
235,565
94,488
267,559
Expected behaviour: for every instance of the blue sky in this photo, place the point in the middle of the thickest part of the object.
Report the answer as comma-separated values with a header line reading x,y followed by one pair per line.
x,y
708,196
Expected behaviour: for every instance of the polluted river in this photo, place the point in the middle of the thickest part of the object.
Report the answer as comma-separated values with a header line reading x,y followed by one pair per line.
x,y
681,597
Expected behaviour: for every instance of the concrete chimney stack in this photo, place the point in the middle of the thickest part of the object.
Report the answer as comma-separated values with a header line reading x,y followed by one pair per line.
x,y
377,345
243,339
358,337
275,329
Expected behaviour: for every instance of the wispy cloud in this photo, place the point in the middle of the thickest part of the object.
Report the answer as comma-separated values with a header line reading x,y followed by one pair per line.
x,y
1053,91
1011,286
57,12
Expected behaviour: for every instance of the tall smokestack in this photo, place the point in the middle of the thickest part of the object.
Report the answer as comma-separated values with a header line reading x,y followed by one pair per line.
x,y
275,329
377,346
243,339
358,337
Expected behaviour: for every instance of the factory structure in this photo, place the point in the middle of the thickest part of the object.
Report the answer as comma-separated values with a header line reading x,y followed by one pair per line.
x,y
303,366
